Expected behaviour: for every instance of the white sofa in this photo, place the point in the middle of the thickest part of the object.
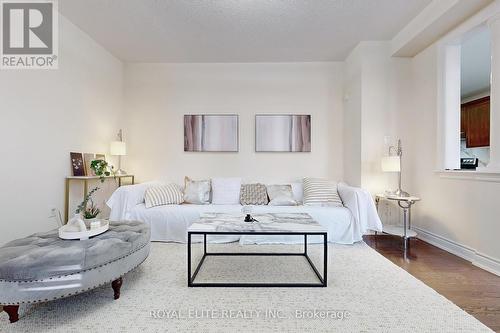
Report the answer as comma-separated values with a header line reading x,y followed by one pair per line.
x,y
169,223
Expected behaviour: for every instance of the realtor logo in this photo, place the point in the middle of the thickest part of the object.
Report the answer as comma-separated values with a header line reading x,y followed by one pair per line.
x,y
29,34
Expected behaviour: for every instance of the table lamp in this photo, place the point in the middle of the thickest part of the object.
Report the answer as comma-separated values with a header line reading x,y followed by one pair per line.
x,y
119,148
392,163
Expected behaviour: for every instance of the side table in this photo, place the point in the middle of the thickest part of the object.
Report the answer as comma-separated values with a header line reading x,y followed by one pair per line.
x,y
85,180
405,230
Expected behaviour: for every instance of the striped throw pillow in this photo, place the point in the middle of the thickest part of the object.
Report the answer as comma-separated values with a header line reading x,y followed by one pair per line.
x,y
321,192
170,194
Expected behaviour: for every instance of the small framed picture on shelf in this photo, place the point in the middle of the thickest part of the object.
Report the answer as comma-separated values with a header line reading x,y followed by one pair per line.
x,y
77,164
87,159
100,157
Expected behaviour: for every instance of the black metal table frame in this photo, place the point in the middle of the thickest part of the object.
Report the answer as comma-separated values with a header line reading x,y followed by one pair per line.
x,y
191,277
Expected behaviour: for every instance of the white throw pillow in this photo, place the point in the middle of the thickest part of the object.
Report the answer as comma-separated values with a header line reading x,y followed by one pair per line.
x,y
321,192
226,191
280,195
170,194
196,191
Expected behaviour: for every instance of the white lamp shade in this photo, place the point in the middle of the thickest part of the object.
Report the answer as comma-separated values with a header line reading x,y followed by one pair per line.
x,y
391,164
118,148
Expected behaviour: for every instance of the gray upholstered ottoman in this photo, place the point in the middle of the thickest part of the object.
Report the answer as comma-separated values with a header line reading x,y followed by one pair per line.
x,y
43,267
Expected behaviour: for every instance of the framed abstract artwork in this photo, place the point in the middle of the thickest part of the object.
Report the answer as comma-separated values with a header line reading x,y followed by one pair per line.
x,y
211,133
282,133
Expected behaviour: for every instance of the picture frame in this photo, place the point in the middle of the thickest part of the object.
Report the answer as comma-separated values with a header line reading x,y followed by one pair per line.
x,y
101,157
87,159
211,133
77,164
282,133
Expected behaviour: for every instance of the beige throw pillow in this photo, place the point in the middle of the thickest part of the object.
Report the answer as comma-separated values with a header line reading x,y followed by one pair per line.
x,y
196,191
281,195
253,194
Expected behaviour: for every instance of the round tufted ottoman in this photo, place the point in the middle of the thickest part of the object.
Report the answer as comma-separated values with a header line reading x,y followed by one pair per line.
x,y
43,267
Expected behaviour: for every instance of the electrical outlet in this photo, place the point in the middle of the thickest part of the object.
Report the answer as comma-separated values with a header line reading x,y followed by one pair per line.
x,y
53,212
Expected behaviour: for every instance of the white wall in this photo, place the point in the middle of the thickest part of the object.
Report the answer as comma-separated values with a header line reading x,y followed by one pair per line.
x,y
398,97
45,114
383,95
352,118
158,95
459,214
376,89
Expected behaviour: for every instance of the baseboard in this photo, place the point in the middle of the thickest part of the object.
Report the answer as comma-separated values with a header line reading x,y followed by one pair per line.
x,y
478,259
487,263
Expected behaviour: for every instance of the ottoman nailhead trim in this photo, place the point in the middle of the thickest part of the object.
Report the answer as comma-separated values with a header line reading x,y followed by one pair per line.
x,y
80,291
85,270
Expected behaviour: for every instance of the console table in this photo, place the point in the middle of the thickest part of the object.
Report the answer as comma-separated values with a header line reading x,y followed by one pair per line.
x,y
85,180
405,230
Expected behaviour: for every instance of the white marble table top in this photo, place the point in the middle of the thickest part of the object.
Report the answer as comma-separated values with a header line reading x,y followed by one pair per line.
x,y
396,198
272,222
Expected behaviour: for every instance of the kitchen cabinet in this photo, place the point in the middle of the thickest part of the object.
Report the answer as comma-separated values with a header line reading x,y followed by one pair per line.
x,y
475,122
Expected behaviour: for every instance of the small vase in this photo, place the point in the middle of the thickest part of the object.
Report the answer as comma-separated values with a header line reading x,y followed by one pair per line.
x,y
88,222
77,222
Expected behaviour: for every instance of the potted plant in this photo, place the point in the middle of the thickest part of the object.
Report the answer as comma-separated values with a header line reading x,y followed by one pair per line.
x,y
87,208
89,213
101,168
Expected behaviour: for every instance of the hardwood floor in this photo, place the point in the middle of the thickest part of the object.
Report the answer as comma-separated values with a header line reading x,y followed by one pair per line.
x,y
469,287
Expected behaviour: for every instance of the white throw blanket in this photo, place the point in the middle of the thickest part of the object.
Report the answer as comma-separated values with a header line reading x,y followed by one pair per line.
x,y
125,198
362,207
170,223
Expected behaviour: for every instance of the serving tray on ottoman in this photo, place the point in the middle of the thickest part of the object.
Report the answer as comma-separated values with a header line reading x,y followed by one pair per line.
x,y
43,267
86,234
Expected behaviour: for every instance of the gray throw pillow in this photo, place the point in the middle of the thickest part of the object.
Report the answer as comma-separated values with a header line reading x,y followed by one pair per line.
x,y
196,191
253,194
281,195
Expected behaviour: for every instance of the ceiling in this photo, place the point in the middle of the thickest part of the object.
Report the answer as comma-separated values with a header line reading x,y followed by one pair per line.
x,y
238,30
476,63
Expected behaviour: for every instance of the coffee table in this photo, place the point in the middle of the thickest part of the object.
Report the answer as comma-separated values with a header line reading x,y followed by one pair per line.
x,y
267,224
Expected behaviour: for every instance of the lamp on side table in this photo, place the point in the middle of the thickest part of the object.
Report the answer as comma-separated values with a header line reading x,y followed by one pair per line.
x,y
392,163
119,148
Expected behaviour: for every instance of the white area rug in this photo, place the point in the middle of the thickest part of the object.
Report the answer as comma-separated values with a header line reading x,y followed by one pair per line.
x,y
365,293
